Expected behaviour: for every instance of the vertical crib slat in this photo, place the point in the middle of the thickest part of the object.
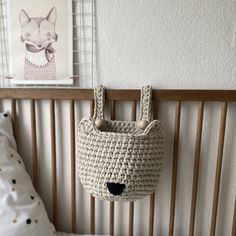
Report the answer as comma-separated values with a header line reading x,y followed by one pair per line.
x,y
112,204
34,144
174,167
134,111
92,200
131,204
218,167
53,158
131,218
152,196
196,167
234,220
151,214
73,174
13,115
113,110
92,214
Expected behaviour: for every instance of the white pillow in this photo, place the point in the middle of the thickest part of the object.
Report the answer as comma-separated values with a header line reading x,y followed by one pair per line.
x,y
22,212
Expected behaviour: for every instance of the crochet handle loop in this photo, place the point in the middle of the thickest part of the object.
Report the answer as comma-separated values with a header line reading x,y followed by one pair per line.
x,y
146,103
99,100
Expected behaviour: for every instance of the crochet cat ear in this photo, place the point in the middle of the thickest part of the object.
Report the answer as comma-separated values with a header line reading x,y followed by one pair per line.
x,y
52,15
24,18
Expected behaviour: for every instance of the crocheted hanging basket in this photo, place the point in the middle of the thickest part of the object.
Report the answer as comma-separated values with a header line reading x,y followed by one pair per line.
x,y
120,160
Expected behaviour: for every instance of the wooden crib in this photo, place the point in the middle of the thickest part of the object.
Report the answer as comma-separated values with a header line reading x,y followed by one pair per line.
x,y
176,98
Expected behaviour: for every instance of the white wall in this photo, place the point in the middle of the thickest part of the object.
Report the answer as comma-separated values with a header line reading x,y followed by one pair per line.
x,y
167,44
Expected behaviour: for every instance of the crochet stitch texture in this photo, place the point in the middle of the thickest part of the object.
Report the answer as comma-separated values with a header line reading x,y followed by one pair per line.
x,y
120,152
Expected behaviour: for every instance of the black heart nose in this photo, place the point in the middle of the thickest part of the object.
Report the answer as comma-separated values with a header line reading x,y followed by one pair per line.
x,y
115,188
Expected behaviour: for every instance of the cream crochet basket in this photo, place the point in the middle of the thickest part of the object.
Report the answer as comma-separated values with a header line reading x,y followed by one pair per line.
x,y
119,160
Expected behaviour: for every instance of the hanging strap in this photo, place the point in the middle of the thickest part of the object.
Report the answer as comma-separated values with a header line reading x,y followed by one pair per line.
x,y
146,103
99,100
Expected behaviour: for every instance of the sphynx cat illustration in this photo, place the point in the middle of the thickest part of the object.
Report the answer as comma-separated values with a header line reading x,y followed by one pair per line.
x,y
38,34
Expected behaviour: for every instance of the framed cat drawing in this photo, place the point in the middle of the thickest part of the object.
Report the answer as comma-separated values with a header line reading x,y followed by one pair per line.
x,y
40,41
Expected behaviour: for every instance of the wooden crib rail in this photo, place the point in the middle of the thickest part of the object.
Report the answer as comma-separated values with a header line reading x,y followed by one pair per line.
x,y
179,96
118,95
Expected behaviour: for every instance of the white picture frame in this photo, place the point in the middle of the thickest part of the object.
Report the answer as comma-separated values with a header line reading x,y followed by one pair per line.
x,y
40,37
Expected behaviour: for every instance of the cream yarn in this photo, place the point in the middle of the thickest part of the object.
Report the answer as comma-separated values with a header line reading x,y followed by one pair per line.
x,y
120,161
